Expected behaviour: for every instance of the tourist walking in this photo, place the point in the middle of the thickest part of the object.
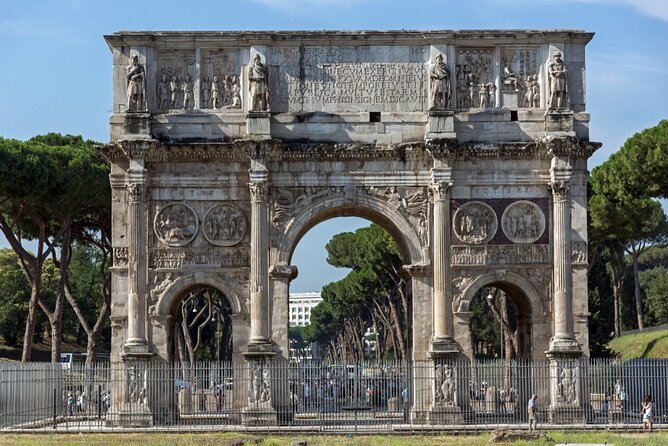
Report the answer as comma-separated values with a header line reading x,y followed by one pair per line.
x,y
532,409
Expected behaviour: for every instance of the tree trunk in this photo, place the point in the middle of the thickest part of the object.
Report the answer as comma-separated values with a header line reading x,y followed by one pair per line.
x,y
31,320
636,282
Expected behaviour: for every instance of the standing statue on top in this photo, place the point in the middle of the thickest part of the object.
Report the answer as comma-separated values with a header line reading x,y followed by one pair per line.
x,y
440,85
136,84
558,73
258,76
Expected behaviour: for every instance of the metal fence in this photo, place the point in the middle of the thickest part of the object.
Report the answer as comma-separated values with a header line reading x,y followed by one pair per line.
x,y
324,397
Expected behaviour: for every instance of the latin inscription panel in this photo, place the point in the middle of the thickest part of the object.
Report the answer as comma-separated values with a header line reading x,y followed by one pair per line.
x,y
348,78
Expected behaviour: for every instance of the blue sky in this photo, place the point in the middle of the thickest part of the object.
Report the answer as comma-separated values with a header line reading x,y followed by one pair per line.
x,y
56,74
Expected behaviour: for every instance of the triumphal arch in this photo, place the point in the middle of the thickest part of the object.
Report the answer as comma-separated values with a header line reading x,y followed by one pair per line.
x,y
469,147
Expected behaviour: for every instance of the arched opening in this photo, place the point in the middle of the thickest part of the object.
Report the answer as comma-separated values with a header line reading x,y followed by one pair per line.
x,y
363,309
500,337
202,328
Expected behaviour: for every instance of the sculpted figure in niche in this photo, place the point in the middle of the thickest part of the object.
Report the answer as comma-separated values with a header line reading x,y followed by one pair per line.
x,y
204,95
446,385
187,89
135,76
440,85
556,69
215,92
174,91
257,84
163,93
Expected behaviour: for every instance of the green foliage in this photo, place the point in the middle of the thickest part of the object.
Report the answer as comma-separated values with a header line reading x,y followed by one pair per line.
x,y
652,344
654,283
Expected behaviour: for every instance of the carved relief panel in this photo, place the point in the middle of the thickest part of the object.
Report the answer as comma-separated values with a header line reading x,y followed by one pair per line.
x,y
220,84
475,223
523,222
520,73
224,225
176,224
475,79
175,81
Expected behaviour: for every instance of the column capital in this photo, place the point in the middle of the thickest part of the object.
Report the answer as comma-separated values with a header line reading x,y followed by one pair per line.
x,y
136,192
559,191
416,270
259,191
440,190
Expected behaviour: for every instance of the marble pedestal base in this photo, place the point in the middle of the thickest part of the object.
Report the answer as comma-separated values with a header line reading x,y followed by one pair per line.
x,y
441,124
261,415
137,125
566,415
131,415
511,99
258,126
445,414
559,122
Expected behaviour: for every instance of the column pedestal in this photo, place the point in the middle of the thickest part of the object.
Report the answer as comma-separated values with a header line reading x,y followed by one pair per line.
x,y
441,124
259,410
137,125
130,393
445,408
559,123
566,391
258,125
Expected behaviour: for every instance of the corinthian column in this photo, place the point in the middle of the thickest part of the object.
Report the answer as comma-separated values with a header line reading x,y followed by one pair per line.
x,y
136,192
564,338
259,279
443,338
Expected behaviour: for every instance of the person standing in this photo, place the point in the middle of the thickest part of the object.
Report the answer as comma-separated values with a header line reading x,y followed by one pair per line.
x,y
532,409
647,413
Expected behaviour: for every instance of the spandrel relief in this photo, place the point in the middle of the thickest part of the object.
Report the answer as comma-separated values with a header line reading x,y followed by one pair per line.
x,y
474,77
220,86
224,225
176,224
411,202
175,80
475,223
523,222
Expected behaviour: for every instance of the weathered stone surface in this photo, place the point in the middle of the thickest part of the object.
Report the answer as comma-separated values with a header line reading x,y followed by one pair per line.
x,y
458,143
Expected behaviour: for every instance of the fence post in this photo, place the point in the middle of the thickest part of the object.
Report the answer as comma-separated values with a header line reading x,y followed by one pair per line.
x,y
55,420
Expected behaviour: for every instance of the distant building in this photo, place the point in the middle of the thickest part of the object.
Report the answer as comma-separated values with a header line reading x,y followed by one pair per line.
x,y
300,306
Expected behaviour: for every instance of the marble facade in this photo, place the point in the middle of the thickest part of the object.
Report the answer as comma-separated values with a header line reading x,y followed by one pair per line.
x,y
232,145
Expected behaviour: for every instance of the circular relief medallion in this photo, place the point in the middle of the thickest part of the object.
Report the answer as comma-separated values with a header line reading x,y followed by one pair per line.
x,y
523,222
475,223
176,224
224,225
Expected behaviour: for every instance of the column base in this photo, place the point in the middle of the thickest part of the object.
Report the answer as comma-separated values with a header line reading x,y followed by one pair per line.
x,y
443,348
131,415
563,348
258,125
137,349
263,348
445,414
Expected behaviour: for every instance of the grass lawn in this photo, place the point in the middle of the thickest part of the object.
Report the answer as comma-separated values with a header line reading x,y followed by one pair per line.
x,y
641,345
229,439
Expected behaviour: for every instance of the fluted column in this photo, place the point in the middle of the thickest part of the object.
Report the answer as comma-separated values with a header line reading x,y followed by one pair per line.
x,y
443,336
564,338
259,280
136,310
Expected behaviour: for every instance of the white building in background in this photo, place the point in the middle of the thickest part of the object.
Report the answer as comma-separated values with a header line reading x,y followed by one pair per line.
x,y
300,306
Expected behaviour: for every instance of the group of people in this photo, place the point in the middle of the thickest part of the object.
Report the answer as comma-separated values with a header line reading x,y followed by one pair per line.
x,y
77,402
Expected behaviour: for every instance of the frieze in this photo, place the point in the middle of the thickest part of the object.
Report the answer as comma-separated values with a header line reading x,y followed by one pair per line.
x,y
224,225
523,222
520,74
174,80
176,224
475,223
220,86
579,253
499,255
183,258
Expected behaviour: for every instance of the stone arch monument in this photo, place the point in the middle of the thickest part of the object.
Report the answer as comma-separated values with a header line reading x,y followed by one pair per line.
x,y
469,147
